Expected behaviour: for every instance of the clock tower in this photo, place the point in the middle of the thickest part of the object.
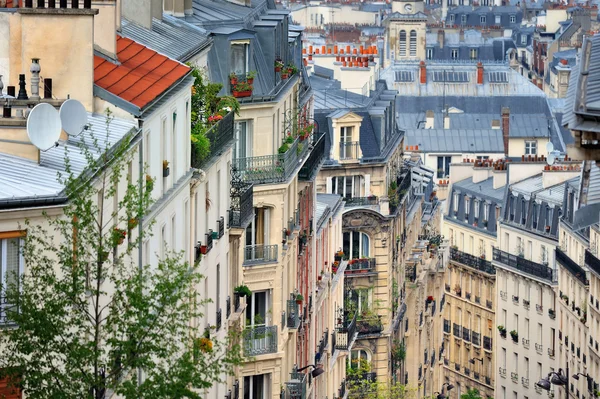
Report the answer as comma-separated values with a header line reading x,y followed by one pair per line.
x,y
405,30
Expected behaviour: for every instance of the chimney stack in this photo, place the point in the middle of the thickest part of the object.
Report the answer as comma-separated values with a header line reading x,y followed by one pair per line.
x,y
429,119
479,73
422,73
22,89
441,37
505,128
35,78
461,35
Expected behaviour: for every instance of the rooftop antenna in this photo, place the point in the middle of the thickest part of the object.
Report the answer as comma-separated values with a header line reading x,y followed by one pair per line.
x,y
43,126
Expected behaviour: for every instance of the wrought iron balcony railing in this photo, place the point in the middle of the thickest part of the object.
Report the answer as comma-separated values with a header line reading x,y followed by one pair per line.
x,y
360,201
360,266
322,346
297,385
242,206
369,325
259,254
345,334
278,168
471,261
316,157
5,309
228,307
219,136
260,340
219,319
522,264
293,314
349,150
571,266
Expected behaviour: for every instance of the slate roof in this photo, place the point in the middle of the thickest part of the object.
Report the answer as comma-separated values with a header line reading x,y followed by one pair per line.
x,y
22,179
141,76
170,36
473,16
534,185
488,49
456,140
484,188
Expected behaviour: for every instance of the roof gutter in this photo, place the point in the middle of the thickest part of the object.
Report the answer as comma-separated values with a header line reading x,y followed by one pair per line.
x,y
32,202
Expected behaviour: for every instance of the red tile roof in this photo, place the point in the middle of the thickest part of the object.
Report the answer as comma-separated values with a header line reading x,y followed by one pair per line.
x,y
142,76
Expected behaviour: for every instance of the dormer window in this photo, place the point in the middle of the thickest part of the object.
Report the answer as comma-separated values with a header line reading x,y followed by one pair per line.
x,y
523,40
463,19
348,147
473,53
429,54
476,209
486,212
523,211
497,19
239,57
454,53
452,18
455,203
467,206
513,19
482,19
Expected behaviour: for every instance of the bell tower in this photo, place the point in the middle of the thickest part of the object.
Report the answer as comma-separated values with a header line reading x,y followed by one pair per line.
x,y
405,30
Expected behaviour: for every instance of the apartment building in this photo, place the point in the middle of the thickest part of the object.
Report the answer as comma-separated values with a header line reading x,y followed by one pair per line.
x,y
527,280
475,203
593,312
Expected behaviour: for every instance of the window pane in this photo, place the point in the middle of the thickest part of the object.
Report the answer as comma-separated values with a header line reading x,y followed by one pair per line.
x,y
355,246
365,244
238,58
12,261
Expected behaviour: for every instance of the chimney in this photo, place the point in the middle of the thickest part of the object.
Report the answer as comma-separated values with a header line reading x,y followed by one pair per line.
x,y
441,36
505,128
422,73
142,11
479,73
429,119
35,78
461,36
22,89
446,120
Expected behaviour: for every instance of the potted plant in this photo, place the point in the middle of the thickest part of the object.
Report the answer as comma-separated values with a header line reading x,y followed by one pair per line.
x,y
149,183
243,290
514,335
118,236
285,73
299,299
203,249
320,276
250,77
278,65
502,331
242,89
204,344
233,78
166,170
292,69
430,298
132,223
338,255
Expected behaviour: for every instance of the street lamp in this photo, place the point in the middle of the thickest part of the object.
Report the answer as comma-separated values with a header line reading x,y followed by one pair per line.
x,y
442,395
560,379
317,371
472,361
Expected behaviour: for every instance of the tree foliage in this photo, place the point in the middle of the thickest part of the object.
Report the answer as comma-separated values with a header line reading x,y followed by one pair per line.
x,y
471,394
361,383
89,319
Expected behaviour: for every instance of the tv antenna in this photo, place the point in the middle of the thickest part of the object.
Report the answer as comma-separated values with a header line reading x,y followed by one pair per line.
x,y
73,117
43,126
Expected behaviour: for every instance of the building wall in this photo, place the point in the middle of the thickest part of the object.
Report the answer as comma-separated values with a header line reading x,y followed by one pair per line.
x,y
516,146
319,16
469,240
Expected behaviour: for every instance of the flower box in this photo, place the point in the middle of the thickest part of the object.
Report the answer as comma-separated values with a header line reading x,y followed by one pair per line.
x,y
240,94
203,249
284,76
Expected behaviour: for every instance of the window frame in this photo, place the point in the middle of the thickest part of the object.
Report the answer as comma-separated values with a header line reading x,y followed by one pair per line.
x,y
530,147
246,52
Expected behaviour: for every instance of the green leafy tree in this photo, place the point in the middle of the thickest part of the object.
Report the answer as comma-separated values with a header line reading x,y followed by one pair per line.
x,y
88,319
471,394
362,384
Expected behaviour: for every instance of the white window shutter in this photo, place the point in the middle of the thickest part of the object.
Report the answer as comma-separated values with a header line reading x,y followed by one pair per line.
x,y
367,185
329,187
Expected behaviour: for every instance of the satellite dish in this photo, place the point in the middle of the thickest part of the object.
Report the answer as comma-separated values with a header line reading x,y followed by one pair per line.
x,y
549,146
43,126
73,117
551,158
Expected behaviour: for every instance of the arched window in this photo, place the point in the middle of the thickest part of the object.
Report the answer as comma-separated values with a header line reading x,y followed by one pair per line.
x,y
413,43
360,359
403,43
356,245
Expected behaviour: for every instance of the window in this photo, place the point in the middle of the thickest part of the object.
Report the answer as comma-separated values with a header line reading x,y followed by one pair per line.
x,y
346,186
429,54
452,18
256,386
239,58
242,146
413,43
360,299
174,148
257,309
523,42
455,202
482,19
463,19
513,19
348,148
359,358
476,209
523,211
497,19
11,262
402,43
443,167
467,206
356,245
454,53
530,147
486,211
473,53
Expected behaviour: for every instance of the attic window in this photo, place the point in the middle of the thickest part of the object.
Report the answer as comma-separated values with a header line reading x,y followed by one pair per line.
x,y
451,17
429,54
239,57
473,53
523,39
463,19
513,19
454,53
497,19
482,19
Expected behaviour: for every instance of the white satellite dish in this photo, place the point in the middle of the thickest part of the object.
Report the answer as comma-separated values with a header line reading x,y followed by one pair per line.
x,y
43,126
551,158
549,147
73,117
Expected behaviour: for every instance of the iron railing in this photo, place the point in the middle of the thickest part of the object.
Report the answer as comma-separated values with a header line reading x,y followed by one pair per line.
x,y
219,136
258,254
571,266
316,157
208,239
221,226
476,338
228,307
219,317
260,340
297,385
471,261
242,207
360,266
323,344
342,390
522,264
466,334
293,314
456,330
345,333
593,263
360,201
349,149
268,169
369,325
5,308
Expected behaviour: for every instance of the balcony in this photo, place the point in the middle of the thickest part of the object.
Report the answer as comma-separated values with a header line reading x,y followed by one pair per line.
x,y
360,201
369,325
220,227
297,385
357,266
573,268
525,382
270,169
514,377
322,346
242,206
525,342
260,340
260,254
293,314
315,159
349,150
502,371
342,391
471,261
539,348
219,135
219,319
522,264
345,333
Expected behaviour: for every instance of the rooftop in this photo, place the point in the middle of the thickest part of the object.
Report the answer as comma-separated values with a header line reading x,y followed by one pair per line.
x,y
456,140
483,189
488,48
534,185
141,76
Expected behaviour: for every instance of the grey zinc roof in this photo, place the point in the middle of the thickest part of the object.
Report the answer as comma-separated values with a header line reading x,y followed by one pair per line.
x,y
170,36
534,185
474,13
22,178
211,13
456,140
485,188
